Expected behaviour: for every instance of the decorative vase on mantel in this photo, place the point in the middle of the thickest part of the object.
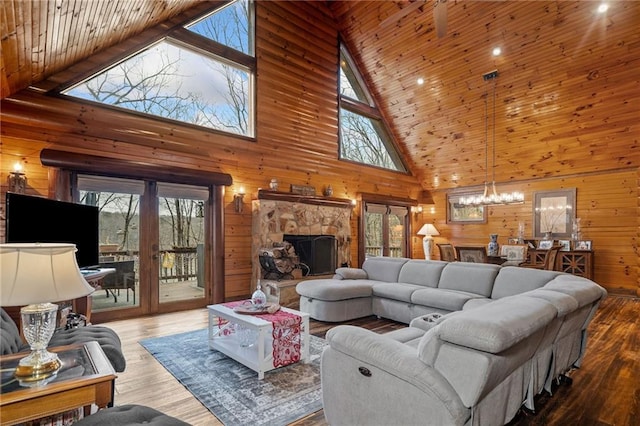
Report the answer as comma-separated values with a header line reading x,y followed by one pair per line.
x,y
492,247
548,235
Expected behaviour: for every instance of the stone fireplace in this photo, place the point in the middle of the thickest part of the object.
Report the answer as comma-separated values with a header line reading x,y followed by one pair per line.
x,y
276,214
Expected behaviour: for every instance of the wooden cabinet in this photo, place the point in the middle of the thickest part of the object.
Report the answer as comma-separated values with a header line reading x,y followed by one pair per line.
x,y
576,262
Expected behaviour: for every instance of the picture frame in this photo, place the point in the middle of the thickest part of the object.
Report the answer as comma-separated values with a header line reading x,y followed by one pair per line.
x,y
514,252
457,213
582,245
545,244
565,245
554,212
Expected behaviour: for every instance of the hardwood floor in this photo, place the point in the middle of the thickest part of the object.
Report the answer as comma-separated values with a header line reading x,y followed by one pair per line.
x,y
605,390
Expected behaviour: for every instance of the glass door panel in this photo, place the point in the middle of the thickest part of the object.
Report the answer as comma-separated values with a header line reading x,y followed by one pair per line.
x,y
385,230
181,242
118,201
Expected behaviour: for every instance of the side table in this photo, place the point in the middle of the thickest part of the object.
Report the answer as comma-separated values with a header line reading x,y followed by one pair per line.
x,y
85,378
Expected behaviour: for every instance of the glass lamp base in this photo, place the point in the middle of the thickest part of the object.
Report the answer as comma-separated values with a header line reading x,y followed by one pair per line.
x,y
38,325
38,365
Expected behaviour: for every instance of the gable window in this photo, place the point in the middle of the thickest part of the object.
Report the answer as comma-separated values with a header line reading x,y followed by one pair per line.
x,y
364,137
202,74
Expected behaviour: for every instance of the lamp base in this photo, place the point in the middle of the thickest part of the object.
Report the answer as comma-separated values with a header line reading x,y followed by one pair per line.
x,y
427,245
38,325
38,365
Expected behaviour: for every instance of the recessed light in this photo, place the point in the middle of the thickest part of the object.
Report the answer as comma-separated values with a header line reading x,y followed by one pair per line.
x,y
603,8
496,51
420,81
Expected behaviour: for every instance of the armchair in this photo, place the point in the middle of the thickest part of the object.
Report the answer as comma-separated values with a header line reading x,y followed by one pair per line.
x,y
11,341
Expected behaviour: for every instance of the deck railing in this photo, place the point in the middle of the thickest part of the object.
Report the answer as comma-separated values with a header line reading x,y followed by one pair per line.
x,y
177,264
377,251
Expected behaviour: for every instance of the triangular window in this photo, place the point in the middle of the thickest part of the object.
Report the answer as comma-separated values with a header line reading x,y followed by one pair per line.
x,y
364,136
229,26
193,84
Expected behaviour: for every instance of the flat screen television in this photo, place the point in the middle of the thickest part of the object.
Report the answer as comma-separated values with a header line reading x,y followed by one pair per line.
x,y
33,219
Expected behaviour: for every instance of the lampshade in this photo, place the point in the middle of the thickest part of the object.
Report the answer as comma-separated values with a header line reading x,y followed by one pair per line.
x,y
428,229
33,273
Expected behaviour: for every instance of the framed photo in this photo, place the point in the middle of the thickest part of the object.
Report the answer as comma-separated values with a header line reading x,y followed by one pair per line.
x,y
545,244
457,213
512,241
583,245
513,252
565,245
554,212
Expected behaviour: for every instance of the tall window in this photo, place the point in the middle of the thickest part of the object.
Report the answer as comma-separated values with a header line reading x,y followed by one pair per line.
x,y
363,134
209,84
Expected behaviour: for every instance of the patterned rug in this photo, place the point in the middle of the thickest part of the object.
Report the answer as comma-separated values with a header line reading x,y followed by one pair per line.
x,y
231,391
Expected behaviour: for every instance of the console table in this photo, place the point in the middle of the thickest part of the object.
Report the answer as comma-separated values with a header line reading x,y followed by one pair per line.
x,y
576,262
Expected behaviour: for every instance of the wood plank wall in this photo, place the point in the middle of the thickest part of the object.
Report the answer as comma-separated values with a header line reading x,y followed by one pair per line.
x,y
297,130
297,133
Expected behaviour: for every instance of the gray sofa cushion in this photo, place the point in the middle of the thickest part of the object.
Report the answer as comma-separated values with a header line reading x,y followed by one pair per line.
x,y
579,288
335,289
498,325
450,300
563,302
422,273
130,415
384,269
512,280
474,278
395,291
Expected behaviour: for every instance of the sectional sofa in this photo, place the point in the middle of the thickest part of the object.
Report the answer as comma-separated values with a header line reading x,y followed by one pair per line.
x,y
482,340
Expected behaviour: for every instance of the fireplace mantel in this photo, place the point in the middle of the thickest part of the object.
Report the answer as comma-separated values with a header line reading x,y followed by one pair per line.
x,y
264,194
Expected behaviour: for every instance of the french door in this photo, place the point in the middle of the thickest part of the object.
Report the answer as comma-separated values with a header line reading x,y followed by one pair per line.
x,y
385,230
153,235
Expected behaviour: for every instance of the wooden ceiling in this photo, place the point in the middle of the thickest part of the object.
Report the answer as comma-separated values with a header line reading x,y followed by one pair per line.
x,y
568,75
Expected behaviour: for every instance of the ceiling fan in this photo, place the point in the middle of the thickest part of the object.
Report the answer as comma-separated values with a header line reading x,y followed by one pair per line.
x,y
439,15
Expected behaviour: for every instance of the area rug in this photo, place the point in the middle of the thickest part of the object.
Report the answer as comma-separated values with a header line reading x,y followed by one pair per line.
x,y
231,391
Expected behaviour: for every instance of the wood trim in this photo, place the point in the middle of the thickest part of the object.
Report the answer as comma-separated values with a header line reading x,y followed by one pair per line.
x,y
92,164
264,194
216,221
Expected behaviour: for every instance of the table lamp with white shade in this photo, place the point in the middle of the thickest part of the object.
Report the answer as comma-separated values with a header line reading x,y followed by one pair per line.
x,y
428,230
34,274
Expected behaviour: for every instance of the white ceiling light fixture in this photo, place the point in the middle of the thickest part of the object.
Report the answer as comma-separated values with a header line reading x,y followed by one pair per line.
x,y
603,8
497,51
490,195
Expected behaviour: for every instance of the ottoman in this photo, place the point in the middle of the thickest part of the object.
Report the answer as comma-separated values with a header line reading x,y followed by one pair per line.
x,y
335,300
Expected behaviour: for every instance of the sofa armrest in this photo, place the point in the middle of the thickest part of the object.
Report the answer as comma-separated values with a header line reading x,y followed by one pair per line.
x,y
394,357
381,381
350,274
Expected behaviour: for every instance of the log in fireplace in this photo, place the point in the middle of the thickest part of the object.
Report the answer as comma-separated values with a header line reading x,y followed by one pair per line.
x,y
316,252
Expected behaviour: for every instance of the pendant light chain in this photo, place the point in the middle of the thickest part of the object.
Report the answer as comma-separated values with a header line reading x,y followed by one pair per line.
x,y
491,196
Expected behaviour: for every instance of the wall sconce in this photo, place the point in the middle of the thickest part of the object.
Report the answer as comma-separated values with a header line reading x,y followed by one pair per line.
x,y
17,180
416,210
238,200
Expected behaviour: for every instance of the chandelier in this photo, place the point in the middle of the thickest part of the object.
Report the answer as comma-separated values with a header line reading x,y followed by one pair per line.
x,y
490,196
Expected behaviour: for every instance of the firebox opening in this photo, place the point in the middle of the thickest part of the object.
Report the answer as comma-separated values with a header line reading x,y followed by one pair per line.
x,y
317,252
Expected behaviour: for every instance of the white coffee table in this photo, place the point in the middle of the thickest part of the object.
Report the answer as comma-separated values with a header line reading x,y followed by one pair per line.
x,y
259,355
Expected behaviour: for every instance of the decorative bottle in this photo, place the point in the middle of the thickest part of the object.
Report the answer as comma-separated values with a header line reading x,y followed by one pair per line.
x,y
492,247
273,184
258,298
